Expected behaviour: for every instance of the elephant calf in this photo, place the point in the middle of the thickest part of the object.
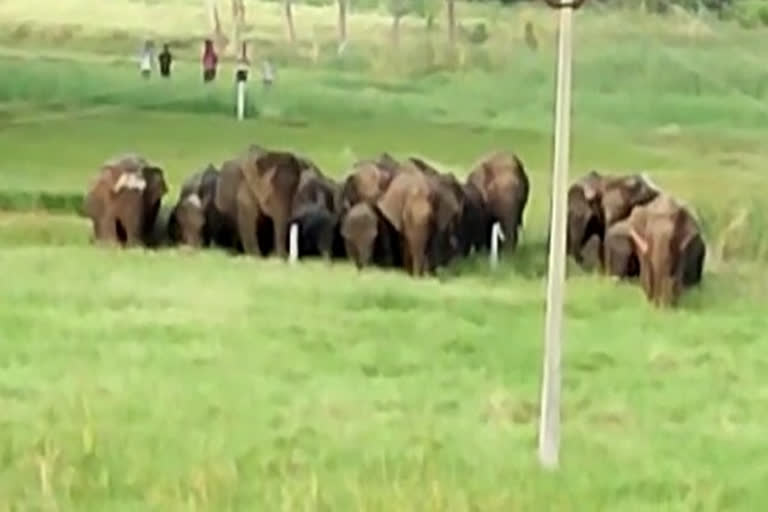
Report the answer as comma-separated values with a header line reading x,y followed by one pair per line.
x,y
619,252
368,237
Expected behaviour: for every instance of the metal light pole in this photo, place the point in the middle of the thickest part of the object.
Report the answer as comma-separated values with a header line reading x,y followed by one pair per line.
x,y
549,418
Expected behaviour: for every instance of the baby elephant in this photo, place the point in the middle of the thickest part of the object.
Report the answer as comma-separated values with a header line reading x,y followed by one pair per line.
x,y
368,238
359,229
619,253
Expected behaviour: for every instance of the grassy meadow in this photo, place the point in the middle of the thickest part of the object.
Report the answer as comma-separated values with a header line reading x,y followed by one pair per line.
x,y
179,380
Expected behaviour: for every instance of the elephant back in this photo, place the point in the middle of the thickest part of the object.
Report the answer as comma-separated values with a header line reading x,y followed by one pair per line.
x,y
366,182
313,188
281,170
500,172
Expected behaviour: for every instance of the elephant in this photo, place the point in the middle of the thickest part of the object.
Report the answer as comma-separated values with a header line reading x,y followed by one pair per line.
x,y
315,214
124,199
619,254
317,231
188,223
359,229
369,239
620,194
256,192
474,222
419,210
585,215
504,186
367,181
597,201
667,238
161,234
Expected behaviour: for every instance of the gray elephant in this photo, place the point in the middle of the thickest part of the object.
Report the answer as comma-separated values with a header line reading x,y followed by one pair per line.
x,y
596,202
504,186
369,239
315,215
619,254
256,192
188,224
421,210
671,250
124,199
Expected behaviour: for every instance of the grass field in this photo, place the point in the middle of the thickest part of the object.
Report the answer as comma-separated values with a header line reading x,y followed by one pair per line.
x,y
175,380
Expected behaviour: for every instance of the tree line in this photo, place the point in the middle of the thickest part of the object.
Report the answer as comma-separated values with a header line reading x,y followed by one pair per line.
x,y
747,12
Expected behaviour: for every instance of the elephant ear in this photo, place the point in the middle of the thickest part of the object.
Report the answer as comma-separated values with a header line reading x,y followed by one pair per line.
x,y
156,187
387,162
391,203
446,206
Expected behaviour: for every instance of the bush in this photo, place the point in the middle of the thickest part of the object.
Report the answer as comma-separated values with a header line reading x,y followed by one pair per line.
x,y
479,34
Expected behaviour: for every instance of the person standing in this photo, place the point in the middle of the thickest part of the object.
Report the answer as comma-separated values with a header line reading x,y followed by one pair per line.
x,y
145,60
165,59
243,64
267,74
210,61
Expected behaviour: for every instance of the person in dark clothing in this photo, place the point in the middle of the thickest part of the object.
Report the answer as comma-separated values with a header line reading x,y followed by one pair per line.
x,y
210,61
165,59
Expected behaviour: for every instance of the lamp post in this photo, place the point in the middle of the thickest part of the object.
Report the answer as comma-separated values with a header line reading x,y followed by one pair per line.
x,y
549,417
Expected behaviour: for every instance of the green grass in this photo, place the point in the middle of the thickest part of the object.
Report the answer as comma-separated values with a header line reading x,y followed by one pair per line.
x,y
172,380
175,380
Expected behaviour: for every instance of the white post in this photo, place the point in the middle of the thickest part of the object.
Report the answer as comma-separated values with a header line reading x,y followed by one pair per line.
x,y
240,100
293,243
497,235
549,418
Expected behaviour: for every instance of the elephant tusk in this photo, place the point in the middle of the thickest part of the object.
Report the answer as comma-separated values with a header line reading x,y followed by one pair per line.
x,y
496,235
293,243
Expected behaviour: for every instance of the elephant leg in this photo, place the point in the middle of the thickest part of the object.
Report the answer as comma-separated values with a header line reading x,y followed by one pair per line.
x,y
510,227
247,221
281,237
132,226
417,247
406,256
105,230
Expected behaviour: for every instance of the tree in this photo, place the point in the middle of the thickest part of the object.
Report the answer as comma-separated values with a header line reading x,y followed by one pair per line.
x,y
238,24
214,23
398,9
289,20
451,9
342,22
428,9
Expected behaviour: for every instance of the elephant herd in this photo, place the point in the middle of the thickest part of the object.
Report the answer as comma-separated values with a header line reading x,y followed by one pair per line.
x,y
395,213
385,212
626,226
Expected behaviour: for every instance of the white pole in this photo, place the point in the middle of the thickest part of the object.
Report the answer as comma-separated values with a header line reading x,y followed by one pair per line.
x,y
549,418
240,100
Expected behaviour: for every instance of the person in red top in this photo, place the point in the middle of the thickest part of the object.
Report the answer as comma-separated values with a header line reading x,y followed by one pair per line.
x,y
210,61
